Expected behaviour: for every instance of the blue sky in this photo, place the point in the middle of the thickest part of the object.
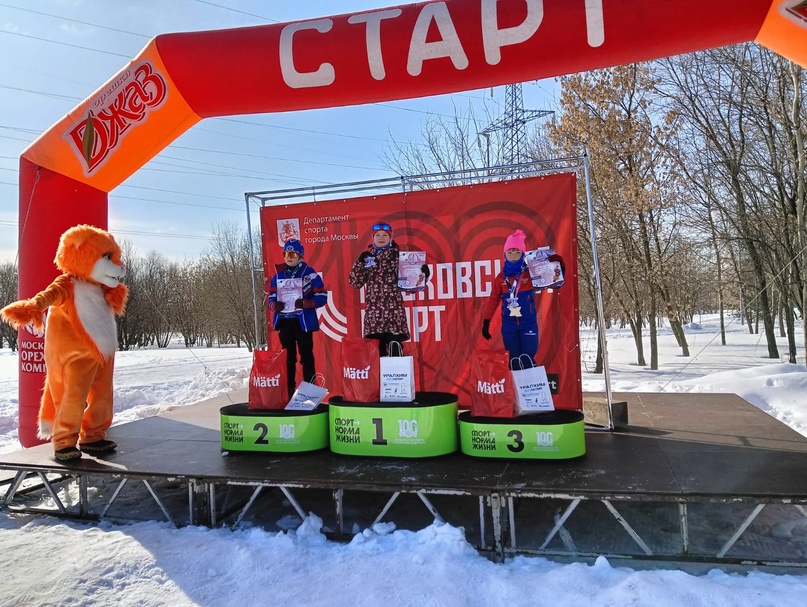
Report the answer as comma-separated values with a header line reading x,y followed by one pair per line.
x,y
55,53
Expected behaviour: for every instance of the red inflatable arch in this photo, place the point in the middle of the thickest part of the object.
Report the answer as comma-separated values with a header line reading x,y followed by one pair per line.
x,y
401,52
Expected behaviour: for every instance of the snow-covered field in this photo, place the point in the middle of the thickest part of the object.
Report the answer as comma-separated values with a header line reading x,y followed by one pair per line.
x,y
46,561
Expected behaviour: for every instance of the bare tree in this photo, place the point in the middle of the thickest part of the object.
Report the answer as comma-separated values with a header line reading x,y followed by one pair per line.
x,y
133,325
741,113
187,306
154,279
611,112
8,294
457,143
229,264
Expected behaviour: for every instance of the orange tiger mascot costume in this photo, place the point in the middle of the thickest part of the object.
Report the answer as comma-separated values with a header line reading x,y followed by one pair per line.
x,y
80,341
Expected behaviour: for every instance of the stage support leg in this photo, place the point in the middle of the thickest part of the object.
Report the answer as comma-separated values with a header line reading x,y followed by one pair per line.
x,y
386,508
201,504
482,543
684,514
495,502
46,484
621,520
12,490
339,510
566,537
159,502
559,522
83,496
430,506
115,494
246,507
52,493
293,502
740,531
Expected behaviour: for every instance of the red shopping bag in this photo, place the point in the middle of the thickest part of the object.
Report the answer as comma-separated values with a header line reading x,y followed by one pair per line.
x,y
360,370
267,381
492,390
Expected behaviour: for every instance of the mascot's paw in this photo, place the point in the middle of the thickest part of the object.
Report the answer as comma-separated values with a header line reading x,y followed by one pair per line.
x,y
21,313
116,298
34,330
67,454
99,446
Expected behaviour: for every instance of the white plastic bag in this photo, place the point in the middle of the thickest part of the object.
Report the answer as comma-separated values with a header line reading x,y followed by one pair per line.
x,y
307,396
532,387
397,377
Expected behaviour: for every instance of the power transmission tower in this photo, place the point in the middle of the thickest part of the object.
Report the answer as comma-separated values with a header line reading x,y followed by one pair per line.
x,y
513,124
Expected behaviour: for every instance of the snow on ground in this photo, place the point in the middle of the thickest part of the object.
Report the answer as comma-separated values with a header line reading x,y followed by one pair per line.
x,y
50,562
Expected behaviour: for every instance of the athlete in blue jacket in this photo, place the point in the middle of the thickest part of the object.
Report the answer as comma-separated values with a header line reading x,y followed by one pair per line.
x,y
297,324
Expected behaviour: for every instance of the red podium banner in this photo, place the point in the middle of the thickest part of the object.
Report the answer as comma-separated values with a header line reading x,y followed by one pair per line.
x,y
462,230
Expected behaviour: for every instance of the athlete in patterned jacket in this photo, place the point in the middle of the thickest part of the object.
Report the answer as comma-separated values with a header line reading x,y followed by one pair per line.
x,y
376,269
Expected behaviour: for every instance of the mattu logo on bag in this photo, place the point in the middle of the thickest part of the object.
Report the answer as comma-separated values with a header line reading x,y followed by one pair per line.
x,y
266,382
485,387
354,373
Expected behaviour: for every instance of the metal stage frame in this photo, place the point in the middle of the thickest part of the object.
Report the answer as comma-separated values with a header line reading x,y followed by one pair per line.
x,y
704,478
319,193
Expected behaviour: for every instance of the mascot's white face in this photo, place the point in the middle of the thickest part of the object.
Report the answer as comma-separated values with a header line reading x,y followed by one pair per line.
x,y
107,272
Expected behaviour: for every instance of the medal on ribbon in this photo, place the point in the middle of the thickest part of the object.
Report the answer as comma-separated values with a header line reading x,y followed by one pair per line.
x,y
512,301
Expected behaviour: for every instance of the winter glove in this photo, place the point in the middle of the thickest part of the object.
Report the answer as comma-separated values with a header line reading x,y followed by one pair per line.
x,y
368,259
486,329
304,304
276,306
425,270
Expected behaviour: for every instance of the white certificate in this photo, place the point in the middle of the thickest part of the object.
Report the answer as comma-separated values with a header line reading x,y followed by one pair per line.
x,y
289,290
410,276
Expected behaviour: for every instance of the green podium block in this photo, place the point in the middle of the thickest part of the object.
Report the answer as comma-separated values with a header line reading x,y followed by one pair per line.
x,y
556,435
273,431
425,427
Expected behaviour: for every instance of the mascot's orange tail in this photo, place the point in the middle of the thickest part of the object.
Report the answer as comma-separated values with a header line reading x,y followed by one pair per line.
x,y
47,414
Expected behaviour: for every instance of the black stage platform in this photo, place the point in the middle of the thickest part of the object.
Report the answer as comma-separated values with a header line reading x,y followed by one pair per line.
x,y
699,477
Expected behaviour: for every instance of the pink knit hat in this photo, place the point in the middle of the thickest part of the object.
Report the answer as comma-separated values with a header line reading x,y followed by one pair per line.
x,y
516,240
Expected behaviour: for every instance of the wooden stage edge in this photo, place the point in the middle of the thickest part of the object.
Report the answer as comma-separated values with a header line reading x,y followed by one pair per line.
x,y
692,477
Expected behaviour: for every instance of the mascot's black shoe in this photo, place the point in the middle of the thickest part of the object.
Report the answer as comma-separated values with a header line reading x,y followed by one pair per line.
x,y
98,447
67,454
